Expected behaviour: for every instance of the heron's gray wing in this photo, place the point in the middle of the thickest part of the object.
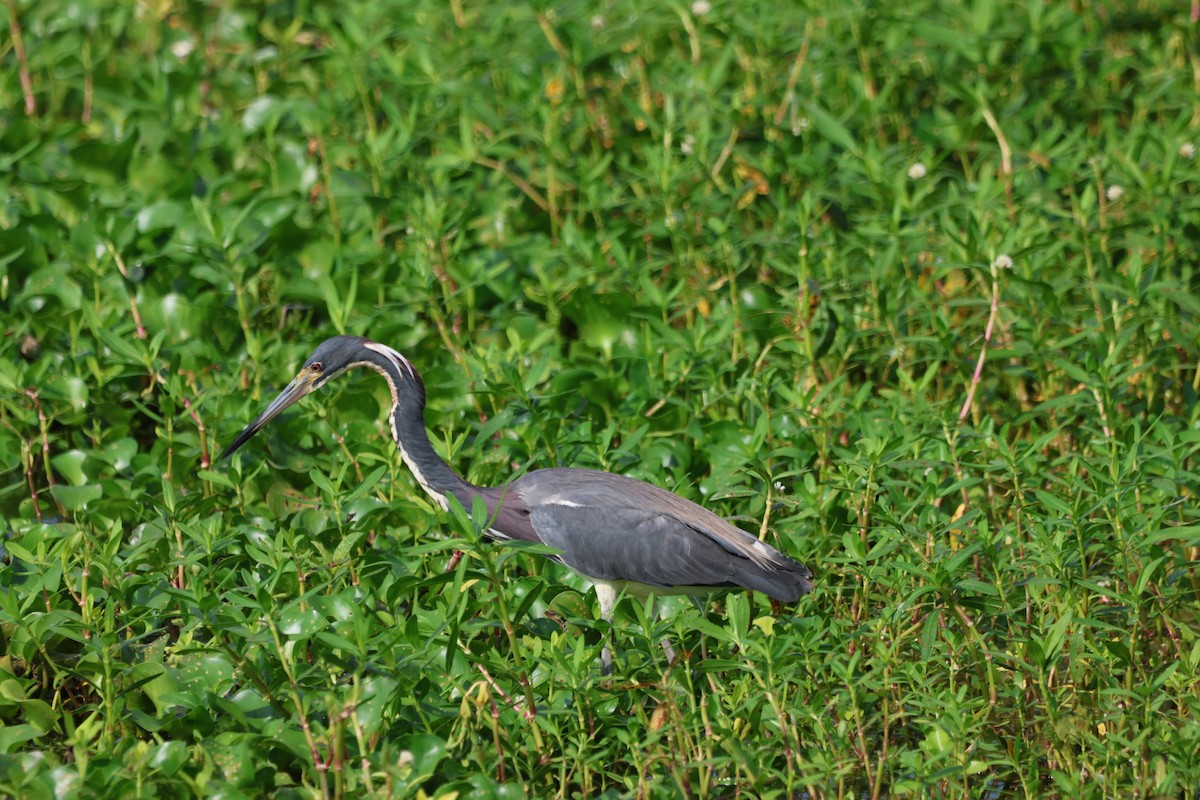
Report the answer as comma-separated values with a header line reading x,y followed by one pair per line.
x,y
626,544
585,487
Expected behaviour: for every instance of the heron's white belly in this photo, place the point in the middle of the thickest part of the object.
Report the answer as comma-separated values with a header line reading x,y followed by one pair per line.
x,y
643,590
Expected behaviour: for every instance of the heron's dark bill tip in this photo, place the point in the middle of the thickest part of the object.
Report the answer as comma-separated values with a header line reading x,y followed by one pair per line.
x,y
242,438
228,451
302,385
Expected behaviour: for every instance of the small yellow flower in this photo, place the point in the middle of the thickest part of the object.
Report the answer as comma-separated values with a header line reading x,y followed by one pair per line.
x,y
554,90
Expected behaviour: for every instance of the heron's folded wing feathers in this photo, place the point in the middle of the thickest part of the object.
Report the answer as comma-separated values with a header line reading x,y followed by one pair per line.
x,y
656,549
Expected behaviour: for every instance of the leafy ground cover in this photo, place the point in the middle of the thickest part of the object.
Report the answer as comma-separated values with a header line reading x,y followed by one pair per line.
x,y
910,289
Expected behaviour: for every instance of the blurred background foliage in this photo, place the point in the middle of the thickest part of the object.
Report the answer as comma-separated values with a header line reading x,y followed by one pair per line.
x,y
752,252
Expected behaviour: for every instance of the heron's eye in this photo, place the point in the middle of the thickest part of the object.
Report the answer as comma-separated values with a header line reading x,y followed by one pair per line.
x,y
316,367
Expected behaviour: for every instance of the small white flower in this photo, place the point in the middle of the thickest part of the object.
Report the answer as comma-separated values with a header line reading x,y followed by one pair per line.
x,y
1187,150
800,126
688,145
1114,192
779,486
598,22
182,48
1003,261
701,7
917,171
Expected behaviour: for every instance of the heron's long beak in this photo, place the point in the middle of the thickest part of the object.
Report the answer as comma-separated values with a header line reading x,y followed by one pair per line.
x,y
302,385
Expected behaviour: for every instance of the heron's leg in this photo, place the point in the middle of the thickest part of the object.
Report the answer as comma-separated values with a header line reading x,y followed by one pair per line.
x,y
665,644
606,593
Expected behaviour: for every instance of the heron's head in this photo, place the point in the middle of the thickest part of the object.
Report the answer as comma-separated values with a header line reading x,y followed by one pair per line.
x,y
331,358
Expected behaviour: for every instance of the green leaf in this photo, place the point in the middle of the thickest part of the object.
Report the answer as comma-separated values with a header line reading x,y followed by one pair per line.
x,y
264,111
322,482
937,740
168,757
367,484
76,498
427,754
829,127
13,735
300,622
40,715
52,281
70,466
70,389
119,453
219,478
163,215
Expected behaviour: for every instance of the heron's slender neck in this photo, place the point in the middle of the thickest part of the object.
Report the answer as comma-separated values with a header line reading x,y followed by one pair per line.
x,y
407,418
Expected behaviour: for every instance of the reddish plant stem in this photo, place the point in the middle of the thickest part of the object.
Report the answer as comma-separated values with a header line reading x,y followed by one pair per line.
x,y
205,461
14,29
28,451
137,317
513,704
987,337
180,574
85,116
44,427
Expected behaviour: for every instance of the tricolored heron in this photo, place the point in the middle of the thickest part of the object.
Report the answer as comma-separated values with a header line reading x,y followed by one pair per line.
x,y
620,533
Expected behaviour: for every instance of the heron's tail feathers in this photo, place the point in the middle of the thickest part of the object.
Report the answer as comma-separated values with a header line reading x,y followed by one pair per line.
x,y
785,582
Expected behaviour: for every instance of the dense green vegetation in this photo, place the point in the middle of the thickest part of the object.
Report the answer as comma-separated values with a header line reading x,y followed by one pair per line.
x,y
910,289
